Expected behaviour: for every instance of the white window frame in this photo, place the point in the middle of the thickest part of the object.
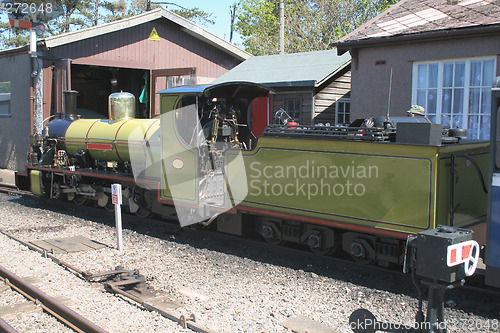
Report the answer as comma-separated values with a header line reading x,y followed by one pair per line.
x,y
467,87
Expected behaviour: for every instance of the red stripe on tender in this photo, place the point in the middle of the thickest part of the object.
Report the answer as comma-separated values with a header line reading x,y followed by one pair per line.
x,y
99,146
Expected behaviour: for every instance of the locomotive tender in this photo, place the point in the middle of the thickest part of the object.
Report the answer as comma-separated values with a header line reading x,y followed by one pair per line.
x,y
350,188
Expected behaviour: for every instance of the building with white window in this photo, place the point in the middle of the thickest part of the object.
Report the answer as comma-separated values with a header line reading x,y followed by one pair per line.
x,y
440,54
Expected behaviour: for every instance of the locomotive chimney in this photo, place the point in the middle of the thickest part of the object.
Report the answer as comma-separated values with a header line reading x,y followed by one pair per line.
x,y
70,104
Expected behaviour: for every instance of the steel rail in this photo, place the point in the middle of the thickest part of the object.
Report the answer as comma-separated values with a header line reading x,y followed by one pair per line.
x,y
61,312
114,287
184,322
5,327
474,288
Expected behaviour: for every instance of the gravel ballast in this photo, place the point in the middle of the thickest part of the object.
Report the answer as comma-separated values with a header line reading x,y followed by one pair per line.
x,y
230,285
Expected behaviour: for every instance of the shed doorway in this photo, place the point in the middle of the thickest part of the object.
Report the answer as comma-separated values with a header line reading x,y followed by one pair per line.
x,y
95,83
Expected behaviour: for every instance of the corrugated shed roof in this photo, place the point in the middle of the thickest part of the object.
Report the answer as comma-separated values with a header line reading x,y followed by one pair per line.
x,y
416,16
297,69
186,25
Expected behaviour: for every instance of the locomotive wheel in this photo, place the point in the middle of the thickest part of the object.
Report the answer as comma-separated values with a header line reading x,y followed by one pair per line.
x,y
110,207
360,254
324,252
274,241
270,234
80,200
142,212
321,242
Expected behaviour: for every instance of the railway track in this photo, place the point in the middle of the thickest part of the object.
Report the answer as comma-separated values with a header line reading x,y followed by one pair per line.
x,y
472,286
51,306
128,284
178,250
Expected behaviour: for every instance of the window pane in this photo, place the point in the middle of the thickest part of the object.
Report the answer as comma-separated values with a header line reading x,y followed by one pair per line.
x,y
488,73
458,101
486,101
422,76
432,119
347,112
485,128
473,127
475,73
421,97
445,120
457,122
446,102
448,75
5,98
459,74
433,75
432,101
474,99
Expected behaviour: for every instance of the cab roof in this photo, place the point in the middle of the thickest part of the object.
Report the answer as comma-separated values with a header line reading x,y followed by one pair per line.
x,y
226,89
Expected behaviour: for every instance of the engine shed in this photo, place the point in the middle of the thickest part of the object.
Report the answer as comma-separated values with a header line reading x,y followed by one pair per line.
x,y
140,54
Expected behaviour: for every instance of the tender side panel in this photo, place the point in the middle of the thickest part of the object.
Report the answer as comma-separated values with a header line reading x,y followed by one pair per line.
x,y
376,185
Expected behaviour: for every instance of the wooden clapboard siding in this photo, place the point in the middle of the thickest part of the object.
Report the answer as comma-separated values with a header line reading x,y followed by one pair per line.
x,y
325,98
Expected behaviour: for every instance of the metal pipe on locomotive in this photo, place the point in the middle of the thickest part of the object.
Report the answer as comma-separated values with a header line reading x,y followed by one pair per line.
x,y
353,188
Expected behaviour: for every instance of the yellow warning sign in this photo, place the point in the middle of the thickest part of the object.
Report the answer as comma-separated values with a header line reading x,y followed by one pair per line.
x,y
154,35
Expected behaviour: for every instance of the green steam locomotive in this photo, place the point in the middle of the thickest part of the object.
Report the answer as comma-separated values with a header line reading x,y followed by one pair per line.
x,y
356,188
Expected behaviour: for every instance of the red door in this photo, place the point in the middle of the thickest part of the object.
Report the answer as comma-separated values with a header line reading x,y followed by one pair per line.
x,y
261,114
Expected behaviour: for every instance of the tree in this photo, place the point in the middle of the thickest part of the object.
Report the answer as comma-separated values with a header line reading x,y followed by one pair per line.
x,y
12,37
258,25
196,15
76,14
79,14
117,10
193,14
309,25
232,11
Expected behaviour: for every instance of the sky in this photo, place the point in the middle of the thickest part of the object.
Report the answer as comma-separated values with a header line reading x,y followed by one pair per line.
x,y
220,11
218,8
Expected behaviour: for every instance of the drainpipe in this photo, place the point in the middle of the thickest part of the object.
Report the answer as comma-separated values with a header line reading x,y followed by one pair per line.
x,y
37,76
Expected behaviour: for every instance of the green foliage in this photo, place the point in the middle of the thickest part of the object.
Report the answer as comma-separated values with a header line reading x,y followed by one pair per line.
x,y
196,15
79,14
257,23
309,25
4,87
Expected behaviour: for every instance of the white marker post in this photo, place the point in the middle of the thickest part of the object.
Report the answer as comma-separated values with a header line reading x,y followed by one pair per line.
x,y
116,199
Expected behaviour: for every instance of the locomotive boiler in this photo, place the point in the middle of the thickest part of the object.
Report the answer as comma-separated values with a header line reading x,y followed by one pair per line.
x,y
357,189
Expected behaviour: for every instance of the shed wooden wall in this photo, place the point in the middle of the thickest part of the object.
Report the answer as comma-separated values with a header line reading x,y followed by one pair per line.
x,y
131,48
325,99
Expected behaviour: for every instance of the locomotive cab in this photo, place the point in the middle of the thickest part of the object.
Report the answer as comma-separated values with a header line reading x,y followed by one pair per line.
x,y
224,112
204,129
